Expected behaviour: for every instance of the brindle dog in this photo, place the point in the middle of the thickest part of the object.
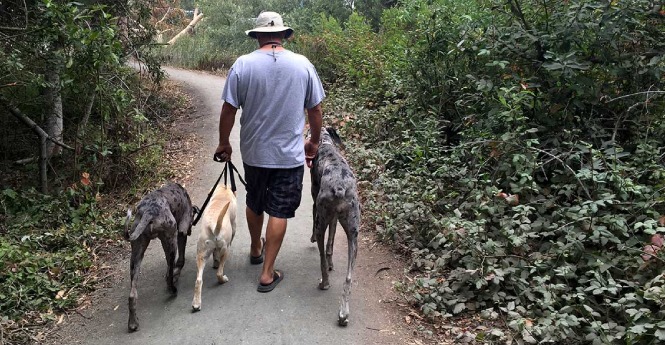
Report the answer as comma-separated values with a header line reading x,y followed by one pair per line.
x,y
335,200
165,213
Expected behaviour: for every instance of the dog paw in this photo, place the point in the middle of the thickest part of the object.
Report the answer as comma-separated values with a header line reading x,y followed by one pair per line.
x,y
173,290
223,279
133,326
343,320
196,308
215,264
324,286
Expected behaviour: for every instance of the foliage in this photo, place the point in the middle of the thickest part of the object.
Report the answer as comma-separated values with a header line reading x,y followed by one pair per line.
x,y
220,38
518,158
112,114
46,250
103,100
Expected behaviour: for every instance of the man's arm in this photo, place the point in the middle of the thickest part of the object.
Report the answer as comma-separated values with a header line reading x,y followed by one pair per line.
x,y
315,118
227,119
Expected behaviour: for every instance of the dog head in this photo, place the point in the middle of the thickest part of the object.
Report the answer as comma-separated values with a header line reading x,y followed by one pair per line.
x,y
329,134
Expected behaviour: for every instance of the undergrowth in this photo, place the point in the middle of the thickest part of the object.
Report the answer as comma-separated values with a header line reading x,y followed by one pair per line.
x,y
48,242
517,159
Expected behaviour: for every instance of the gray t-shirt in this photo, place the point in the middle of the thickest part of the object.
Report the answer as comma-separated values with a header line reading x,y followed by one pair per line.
x,y
273,92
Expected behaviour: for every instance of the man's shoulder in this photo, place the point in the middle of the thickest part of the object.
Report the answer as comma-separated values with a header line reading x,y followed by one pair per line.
x,y
297,56
244,58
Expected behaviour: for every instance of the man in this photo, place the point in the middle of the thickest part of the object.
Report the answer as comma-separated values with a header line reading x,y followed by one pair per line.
x,y
273,86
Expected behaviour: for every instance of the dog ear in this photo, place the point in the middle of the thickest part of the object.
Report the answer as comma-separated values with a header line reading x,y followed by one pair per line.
x,y
334,136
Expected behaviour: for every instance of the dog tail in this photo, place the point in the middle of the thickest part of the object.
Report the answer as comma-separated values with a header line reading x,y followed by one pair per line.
x,y
220,218
138,230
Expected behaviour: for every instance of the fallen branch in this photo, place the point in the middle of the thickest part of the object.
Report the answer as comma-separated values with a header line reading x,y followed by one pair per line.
x,y
25,161
43,139
197,17
31,124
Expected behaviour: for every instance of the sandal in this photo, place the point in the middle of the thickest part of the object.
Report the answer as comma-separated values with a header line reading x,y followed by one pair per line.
x,y
277,277
256,260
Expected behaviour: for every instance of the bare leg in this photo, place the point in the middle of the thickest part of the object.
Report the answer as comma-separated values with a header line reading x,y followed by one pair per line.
x,y
255,225
274,236
138,250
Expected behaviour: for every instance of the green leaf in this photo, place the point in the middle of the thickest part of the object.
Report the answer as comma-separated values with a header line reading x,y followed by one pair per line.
x,y
459,307
660,334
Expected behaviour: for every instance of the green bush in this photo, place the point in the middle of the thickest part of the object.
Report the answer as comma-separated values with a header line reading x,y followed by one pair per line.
x,y
45,255
519,160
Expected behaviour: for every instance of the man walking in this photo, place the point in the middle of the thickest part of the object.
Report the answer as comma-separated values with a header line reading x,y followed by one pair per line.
x,y
274,87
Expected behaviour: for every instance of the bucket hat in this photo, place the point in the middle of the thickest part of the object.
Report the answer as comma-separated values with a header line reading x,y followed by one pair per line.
x,y
269,22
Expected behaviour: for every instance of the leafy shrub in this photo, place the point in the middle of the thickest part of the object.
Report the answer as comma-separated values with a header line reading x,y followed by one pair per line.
x,y
520,163
46,249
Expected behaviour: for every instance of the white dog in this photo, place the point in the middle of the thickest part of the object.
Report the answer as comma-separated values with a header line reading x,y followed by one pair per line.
x,y
216,235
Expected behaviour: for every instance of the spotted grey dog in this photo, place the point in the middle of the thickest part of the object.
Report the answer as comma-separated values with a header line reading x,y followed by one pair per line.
x,y
335,199
165,213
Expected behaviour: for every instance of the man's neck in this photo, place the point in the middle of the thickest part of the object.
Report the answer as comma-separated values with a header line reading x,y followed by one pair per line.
x,y
271,44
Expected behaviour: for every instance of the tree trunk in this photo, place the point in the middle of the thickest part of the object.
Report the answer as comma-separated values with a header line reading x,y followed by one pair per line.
x,y
53,107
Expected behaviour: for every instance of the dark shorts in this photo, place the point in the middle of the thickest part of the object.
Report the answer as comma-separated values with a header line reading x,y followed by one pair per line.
x,y
276,192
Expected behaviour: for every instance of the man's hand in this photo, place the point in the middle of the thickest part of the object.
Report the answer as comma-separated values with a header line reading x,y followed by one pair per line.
x,y
226,120
223,153
311,149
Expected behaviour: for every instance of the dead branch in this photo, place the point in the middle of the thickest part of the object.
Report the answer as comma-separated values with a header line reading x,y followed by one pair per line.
x,y
197,17
168,10
31,124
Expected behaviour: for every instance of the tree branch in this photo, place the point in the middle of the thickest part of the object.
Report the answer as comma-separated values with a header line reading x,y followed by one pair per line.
x,y
31,124
196,19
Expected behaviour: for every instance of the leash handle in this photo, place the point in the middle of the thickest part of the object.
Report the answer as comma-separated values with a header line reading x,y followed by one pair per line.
x,y
221,157
229,168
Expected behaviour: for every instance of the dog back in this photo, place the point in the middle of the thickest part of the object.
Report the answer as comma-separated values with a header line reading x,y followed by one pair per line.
x,y
220,216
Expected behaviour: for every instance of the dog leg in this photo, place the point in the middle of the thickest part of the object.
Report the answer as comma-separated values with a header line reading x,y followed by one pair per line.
x,y
138,250
313,238
202,253
223,254
315,195
182,243
170,247
351,228
332,228
216,257
320,234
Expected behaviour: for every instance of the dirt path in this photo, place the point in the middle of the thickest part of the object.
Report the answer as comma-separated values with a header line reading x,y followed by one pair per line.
x,y
296,312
